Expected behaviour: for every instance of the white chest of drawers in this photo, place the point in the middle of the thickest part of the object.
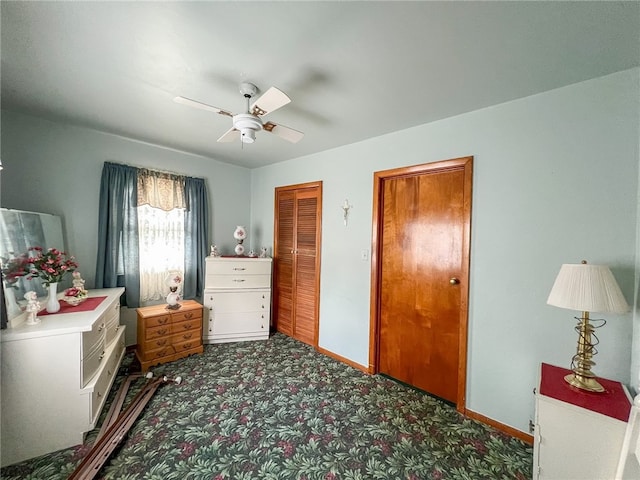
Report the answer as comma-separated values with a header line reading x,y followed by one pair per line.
x,y
56,377
578,435
237,299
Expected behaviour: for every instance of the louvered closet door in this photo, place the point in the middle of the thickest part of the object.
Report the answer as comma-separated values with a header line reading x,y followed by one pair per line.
x,y
283,262
297,262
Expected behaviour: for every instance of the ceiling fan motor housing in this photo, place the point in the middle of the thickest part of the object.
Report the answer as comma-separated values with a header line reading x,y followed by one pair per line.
x,y
248,125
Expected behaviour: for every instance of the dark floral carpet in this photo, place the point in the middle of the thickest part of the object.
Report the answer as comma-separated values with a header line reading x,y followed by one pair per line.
x,y
278,409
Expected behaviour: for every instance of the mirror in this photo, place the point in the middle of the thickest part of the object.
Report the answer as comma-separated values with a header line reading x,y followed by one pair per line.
x,y
19,231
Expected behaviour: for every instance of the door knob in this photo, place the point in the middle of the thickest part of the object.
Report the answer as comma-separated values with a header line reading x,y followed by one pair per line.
x,y
454,281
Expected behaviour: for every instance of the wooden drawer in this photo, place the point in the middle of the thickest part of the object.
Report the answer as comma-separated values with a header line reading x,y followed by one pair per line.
x,y
186,325
187,345
238,281
179,316
227,302
157,321
195,334
157,343
156,332
157,354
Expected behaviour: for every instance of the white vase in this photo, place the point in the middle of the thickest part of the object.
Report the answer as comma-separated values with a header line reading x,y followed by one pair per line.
x,y
53,305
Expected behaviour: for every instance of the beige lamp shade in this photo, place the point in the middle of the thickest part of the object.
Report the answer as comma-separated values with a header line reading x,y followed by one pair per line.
x,y
587,288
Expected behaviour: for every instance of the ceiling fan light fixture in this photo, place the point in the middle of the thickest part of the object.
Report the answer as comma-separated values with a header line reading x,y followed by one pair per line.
x,y
247,135
248,125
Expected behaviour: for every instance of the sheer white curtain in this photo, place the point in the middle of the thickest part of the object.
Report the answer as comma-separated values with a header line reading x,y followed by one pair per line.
x,y
161,249
161,204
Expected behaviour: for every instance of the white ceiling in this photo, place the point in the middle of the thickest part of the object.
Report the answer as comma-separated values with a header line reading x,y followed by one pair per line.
x,y
353,70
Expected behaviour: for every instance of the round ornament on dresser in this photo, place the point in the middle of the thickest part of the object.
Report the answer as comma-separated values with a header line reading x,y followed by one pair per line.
x,y
239,234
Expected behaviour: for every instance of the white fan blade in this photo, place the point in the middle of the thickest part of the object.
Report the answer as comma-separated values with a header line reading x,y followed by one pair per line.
x,y
230,135
270,101
287,133
202,106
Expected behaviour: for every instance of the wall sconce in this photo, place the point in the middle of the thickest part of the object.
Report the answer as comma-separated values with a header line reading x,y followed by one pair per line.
x,y
345,209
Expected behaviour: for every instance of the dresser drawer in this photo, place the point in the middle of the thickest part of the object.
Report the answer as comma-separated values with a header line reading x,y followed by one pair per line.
x,y
228,302
238,323
93,337
195,334
187,315
157,321
111,329
91,362
104,381
157,343
187,345
238,281
238,267
157,332
186,325
158,353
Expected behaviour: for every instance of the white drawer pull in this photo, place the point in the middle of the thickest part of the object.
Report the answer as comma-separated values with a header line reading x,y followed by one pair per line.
x,y
239,269
101,356
238,280
101,328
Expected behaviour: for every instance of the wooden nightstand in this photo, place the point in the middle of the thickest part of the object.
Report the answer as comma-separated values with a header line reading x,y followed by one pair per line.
x,y
165,335
578,434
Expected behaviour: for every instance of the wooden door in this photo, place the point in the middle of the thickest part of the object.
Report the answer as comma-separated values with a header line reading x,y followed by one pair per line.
x,y
297,261
420,275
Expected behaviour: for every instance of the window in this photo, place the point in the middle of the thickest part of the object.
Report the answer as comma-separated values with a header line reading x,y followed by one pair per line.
x,y
151,223
161,208
161,249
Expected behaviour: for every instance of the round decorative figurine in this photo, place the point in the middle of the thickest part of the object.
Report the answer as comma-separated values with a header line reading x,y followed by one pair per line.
x,y
173,281
214,251
239,234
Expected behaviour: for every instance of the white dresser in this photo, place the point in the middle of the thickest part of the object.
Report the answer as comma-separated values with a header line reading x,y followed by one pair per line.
x,y
237,299
578,435
56,376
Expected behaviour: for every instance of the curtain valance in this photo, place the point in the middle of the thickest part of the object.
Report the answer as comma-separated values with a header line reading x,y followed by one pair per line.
x,y
160,189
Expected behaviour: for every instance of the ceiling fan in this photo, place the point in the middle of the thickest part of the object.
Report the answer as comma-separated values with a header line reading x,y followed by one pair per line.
x,y
245,125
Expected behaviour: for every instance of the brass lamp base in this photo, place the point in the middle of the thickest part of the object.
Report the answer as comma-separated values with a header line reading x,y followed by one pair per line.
x,y
584,383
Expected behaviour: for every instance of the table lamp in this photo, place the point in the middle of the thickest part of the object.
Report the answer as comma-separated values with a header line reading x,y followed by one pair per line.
x,y
587,288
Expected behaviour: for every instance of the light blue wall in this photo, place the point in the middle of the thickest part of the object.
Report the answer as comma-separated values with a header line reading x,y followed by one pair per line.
x,y
55,168
555,181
